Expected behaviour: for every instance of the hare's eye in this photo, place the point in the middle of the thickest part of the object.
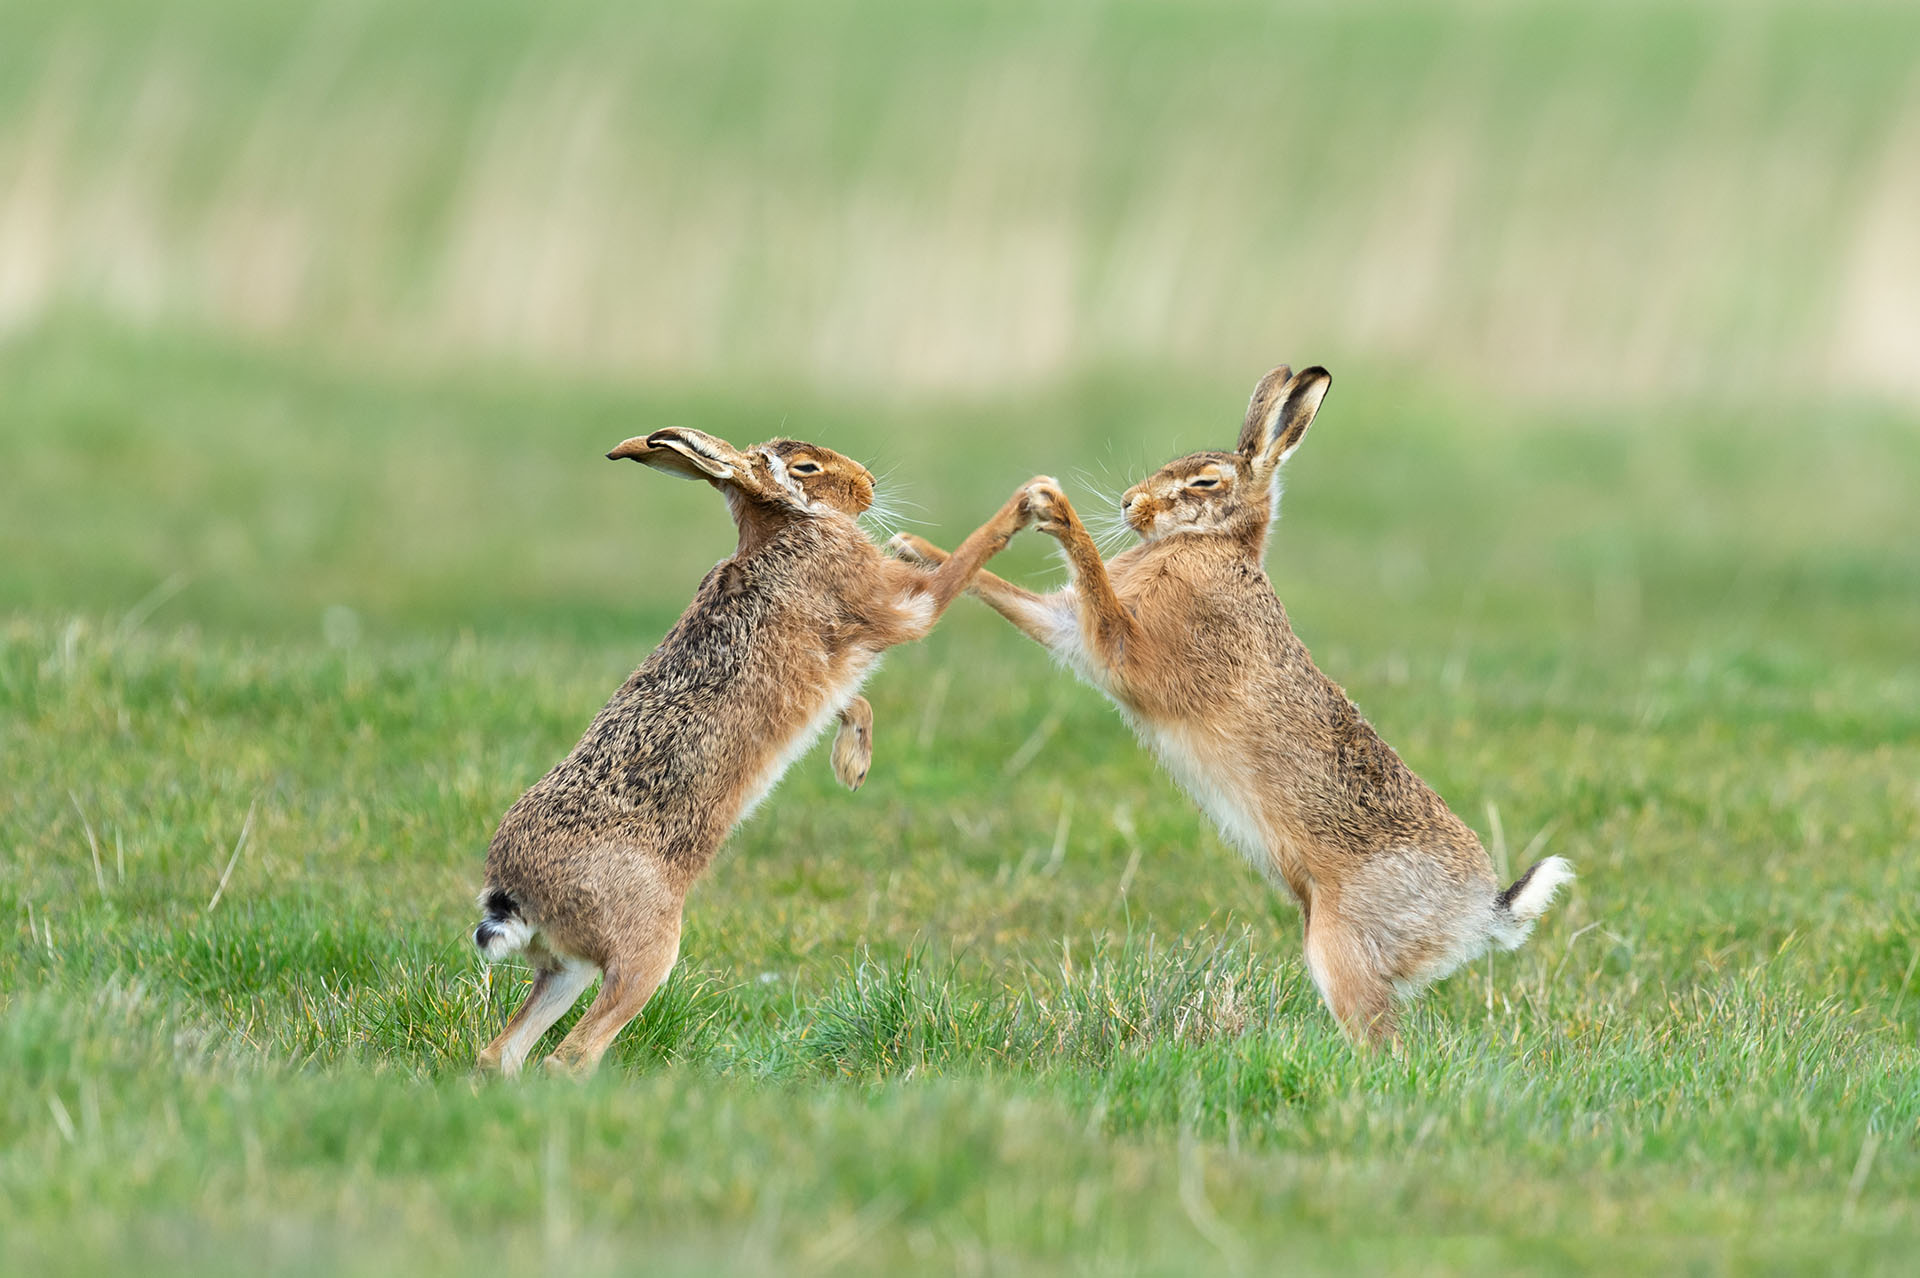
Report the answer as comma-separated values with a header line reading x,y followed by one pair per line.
x,y
1203,483
806,468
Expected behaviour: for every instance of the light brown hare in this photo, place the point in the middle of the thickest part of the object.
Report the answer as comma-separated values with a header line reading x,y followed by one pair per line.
x,y
1185,635
590,869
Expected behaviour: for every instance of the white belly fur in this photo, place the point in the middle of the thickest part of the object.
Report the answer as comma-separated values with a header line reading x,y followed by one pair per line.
x,y
798,744
1207,785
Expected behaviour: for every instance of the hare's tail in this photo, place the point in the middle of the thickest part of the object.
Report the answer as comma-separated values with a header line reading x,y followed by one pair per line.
x,y
503,928
1516,909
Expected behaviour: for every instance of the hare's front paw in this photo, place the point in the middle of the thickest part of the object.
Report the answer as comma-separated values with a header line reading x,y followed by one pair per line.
x,y
853,748
1047,505
914,550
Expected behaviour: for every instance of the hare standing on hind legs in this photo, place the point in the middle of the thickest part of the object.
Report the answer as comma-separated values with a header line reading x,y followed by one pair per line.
x,y
1184,633
589,871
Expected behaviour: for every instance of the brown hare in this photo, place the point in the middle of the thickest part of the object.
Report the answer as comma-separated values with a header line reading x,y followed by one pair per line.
x,y
590,869
1185,635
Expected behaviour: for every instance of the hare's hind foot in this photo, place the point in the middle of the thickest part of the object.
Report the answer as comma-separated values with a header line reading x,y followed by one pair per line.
x,y
1360,997
555,989
630,981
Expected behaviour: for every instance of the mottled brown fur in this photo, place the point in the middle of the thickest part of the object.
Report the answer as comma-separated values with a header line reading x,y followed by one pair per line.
x,y
1185,634
590,869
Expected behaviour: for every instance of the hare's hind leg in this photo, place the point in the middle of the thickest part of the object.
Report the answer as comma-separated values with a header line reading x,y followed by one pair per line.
x,y
631,978
554,991
1343,966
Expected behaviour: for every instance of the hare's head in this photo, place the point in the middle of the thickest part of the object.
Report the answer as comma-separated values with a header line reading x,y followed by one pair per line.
x,y
1231,492
815,478
781,475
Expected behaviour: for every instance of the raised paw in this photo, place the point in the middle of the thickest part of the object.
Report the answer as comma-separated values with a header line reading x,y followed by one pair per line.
x,y
1047,504
915,550
853,744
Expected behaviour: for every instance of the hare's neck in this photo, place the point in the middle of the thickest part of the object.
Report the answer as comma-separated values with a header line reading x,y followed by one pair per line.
x,y
768,530
1178,551
760,526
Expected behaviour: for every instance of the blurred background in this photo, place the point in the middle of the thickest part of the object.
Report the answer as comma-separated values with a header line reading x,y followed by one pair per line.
x,y
1598,198
333,306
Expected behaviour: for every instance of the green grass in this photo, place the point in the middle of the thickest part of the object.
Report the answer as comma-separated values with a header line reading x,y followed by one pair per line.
x,y
979,1016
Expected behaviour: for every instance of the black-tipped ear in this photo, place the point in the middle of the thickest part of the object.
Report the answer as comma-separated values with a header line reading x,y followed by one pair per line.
x,y
666,460
1297,402
1260,410
688,454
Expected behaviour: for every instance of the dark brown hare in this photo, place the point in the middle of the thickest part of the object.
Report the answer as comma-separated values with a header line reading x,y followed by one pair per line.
x,y
589,871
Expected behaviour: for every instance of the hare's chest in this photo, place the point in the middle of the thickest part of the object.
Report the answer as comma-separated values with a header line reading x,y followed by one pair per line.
x,y
1215,782
1059,622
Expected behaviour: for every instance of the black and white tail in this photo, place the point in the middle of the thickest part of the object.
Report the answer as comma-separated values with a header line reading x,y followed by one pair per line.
x,y
503,929
1517,908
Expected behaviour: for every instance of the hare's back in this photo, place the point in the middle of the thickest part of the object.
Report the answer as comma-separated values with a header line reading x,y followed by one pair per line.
x,y
662,758
731,682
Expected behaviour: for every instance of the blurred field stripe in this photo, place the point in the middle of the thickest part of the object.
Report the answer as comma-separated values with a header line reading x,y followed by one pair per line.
x,y
1571,199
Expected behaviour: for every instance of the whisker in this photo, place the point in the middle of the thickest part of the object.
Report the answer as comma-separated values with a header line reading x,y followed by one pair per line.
x,y
884,517
1108,526
1111,536
883,529
883,482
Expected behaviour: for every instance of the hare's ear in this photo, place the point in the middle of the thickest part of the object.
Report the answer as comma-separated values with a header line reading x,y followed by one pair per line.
x,y
1260,410
690,454
1289,410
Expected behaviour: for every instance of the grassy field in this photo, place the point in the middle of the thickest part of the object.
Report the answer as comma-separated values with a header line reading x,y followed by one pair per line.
x,y
1011,1006
315,324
